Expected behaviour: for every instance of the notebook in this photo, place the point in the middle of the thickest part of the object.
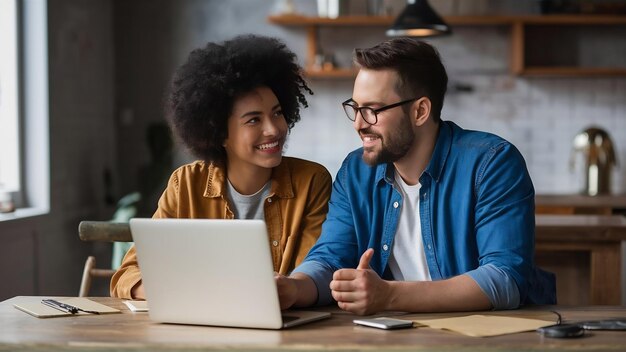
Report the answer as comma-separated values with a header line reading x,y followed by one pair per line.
x,y
35,307
211,272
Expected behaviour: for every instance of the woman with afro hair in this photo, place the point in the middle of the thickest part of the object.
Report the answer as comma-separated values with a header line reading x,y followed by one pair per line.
x,y
232,104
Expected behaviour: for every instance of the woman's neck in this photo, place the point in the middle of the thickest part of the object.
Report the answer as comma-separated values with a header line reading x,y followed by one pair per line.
x,y
247,179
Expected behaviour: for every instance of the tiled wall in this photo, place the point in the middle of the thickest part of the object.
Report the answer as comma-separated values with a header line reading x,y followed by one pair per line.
x,y
539,115
542,116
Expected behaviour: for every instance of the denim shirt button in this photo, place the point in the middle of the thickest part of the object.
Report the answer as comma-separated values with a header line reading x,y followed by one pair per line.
x,y
395,205
429,247
385,247
424,195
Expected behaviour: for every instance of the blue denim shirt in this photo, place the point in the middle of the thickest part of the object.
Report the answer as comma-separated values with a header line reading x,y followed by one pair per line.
x,y
476,211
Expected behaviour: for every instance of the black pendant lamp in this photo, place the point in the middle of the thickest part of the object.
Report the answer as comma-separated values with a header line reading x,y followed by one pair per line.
x,y
418,19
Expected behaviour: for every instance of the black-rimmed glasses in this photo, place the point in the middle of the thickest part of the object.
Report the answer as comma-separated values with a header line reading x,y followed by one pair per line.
x,y
370,115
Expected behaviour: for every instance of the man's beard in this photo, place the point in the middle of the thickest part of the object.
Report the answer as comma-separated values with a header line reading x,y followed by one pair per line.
x,y
395,146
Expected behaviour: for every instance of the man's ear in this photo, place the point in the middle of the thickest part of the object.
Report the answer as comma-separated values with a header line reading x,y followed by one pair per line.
x,y
421,110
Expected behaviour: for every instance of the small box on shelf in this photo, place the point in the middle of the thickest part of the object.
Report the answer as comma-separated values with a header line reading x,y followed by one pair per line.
x,y
6,202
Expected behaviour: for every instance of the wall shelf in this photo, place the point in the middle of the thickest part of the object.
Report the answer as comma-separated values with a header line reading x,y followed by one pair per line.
x,y
573,71
524,34
298,20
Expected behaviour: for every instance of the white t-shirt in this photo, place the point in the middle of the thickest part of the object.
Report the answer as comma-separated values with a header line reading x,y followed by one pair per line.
x,y
408,260
248,206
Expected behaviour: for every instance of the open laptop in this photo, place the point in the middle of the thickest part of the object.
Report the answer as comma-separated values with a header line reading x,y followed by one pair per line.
x,y
211,272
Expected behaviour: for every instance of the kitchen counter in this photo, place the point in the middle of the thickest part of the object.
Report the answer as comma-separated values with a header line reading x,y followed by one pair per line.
x,y
585,253
580,204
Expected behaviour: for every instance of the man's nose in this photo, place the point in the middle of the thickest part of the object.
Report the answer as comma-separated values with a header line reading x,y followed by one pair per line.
x,y
359,122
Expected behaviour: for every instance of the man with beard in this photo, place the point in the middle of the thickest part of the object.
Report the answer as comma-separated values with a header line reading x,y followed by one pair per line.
x,y
426,216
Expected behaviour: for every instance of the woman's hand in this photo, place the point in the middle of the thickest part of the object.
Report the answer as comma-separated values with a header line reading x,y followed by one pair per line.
x,y
287,290
137,292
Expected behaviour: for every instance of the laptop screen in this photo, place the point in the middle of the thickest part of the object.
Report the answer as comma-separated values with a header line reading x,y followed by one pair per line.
x,y
209,272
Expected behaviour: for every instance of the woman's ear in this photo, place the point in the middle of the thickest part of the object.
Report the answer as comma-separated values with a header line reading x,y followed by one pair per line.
x,y
421,110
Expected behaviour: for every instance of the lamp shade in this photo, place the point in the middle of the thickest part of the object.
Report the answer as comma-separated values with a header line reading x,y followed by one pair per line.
x,y
418,19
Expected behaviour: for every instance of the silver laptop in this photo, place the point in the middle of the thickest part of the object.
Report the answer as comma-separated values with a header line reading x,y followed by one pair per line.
x,y
211,272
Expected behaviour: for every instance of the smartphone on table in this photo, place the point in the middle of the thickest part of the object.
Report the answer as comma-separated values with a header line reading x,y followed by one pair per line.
x,y
385,323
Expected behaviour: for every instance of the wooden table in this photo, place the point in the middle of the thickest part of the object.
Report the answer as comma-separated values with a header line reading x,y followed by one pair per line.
x,y
134,331
599,239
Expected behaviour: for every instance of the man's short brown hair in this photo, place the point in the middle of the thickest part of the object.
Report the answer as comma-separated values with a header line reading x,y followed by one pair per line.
x,y
418,65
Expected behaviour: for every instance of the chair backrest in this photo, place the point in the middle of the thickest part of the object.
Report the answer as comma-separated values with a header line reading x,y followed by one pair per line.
x,y
99,231
104,231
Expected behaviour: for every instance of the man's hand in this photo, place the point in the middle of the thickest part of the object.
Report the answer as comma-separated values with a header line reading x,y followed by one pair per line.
x,y
287,290
360,290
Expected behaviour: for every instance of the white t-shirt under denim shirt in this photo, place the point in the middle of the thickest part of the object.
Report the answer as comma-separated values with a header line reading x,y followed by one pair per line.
x,y
248,206
408,260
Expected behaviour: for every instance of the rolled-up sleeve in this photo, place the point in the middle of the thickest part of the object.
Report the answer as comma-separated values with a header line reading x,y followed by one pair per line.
x,y
321,275
505,227
497,285
336,247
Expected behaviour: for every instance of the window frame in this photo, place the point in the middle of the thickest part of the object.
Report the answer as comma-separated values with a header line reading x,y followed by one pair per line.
x,y
11,155
33,199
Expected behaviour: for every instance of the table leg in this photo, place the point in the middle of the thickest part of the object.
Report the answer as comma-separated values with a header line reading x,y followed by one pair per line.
x,y
606,268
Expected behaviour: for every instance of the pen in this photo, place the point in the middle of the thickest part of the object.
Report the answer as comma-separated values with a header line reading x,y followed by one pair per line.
x,y
65,307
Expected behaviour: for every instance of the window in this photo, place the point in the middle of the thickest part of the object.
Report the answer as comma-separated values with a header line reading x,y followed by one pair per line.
x,y
9,98
24,141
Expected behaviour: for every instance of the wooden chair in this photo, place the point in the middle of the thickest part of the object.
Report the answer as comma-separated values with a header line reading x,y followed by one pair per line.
x,y
101,231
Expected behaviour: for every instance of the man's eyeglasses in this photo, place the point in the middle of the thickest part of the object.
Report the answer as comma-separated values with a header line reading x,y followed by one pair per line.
x,y
370,115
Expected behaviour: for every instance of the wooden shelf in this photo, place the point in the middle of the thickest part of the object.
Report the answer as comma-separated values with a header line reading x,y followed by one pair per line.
x,y
518,24
298,20
353,21
348,21
572,71
580,20
550,46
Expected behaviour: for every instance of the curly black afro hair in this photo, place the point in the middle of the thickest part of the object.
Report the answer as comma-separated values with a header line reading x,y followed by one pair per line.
x,y
205,88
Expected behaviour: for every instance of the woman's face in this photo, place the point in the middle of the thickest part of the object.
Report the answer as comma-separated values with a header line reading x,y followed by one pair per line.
x,y
256,131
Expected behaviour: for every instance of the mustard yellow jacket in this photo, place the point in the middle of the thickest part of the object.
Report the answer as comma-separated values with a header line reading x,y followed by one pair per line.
x,y
294,211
